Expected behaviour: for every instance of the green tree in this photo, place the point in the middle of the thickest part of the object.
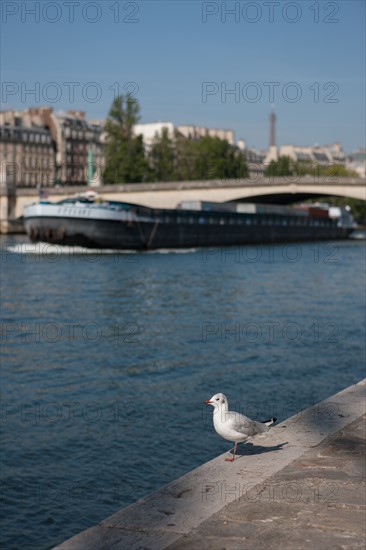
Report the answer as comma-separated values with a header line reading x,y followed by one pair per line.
x,y
138,165
185,159
280,167
162,158
217,159
124,153
330,170
285,166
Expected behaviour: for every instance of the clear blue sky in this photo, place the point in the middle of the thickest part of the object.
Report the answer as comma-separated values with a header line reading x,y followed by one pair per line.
x,y
76,54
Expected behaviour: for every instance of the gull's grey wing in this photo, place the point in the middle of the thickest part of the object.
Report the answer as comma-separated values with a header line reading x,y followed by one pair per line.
x,y
243,424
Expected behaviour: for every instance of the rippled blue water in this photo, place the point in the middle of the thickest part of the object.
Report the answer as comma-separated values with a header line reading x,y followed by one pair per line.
x,y
107,359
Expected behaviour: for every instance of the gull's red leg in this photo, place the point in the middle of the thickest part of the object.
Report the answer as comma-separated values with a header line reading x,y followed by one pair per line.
x,y
233,457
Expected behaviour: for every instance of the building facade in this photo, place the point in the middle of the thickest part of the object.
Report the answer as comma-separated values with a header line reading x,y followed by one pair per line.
x,y
190,131
41,148
27,151
322,155
151,130
79,142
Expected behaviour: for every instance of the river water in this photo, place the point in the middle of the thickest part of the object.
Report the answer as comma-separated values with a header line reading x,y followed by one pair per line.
x,y
107,359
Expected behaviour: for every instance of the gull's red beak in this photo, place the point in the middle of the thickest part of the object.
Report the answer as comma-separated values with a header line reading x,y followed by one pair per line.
x,y
207,401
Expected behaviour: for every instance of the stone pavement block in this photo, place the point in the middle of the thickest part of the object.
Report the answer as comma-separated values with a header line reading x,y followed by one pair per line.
x,y
286,529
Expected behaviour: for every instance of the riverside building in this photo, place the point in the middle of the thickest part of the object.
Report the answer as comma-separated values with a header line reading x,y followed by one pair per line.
x,y
27,151
40,147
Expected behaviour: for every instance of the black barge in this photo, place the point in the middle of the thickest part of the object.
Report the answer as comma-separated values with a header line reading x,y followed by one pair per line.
x,y
93,222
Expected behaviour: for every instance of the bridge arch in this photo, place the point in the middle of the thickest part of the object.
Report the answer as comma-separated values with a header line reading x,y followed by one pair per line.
x,y
288,198
286,193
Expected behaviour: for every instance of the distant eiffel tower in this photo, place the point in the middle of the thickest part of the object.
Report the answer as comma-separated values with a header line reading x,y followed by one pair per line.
x,y
272,129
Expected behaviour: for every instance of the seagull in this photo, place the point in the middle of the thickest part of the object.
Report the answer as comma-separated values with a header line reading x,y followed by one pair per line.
x,y
234,426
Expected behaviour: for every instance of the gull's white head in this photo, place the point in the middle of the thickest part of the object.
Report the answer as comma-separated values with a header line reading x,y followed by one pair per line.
x,y
218,400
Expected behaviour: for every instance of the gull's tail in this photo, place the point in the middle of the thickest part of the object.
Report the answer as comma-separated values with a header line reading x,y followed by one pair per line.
x,y
269,422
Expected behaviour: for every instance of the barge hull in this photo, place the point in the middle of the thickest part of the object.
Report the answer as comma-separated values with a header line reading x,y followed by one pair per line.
x,y
102,234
